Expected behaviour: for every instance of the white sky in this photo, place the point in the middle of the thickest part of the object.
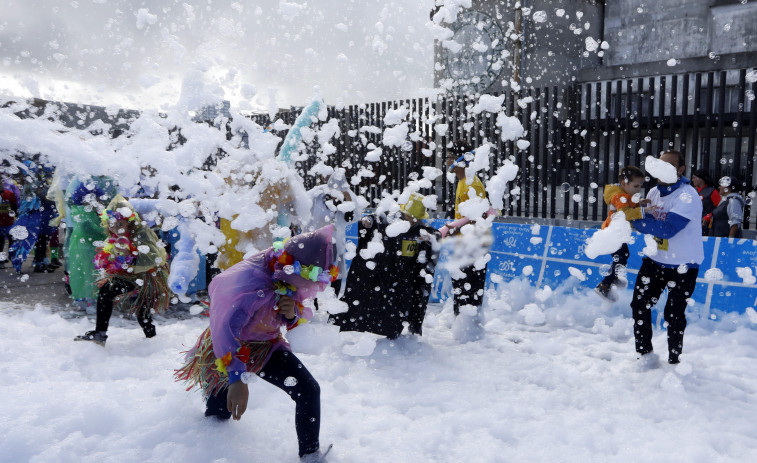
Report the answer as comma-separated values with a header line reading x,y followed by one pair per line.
x,y
136,53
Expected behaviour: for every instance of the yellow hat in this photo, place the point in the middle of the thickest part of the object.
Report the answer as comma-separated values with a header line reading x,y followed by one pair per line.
x,y
414,207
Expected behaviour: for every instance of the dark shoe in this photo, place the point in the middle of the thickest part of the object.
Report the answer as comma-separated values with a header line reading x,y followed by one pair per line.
x,y
95,336
42,268
606,292
149,330
673,359
2,264
55,263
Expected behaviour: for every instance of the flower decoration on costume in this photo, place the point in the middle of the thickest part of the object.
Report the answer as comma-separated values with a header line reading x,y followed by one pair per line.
x,y
295,323
308,272
243,353
284,289
116,255
222,363
119,214
286,259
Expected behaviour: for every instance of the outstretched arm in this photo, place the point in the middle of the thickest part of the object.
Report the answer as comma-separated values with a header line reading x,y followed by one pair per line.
x,y
453,226
664,229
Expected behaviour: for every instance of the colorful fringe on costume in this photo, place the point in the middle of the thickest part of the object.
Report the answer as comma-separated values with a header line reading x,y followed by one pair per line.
x,y
202,369
152,293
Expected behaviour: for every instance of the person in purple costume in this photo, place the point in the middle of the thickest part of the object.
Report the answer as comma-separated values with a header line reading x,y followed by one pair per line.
x,y
249,303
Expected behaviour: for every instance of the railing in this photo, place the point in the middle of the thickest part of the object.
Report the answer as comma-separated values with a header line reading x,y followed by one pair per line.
x,y
580,136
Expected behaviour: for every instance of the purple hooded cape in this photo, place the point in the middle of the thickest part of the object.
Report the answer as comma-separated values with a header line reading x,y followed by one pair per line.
x,y
242,298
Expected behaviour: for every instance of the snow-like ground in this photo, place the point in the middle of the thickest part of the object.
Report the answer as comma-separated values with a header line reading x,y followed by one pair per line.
x,y
565,390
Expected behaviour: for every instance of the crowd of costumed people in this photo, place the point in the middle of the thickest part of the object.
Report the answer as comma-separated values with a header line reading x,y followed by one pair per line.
x,y
280,246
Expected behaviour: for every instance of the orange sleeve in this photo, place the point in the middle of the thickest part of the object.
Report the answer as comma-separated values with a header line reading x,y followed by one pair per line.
x,y
623,202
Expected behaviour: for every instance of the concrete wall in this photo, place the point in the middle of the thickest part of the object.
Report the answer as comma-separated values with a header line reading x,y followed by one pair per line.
x,y
643,35
640,31
552,52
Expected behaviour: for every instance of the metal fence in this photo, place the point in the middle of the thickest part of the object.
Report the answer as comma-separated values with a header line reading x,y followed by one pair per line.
x,y
580,136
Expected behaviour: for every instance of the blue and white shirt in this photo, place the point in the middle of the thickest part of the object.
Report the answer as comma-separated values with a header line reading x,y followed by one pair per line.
x,y
675,224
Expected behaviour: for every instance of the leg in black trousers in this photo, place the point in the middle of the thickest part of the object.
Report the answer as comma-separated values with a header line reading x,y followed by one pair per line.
x,y
108,292
619,259
216,405
675,308
650,282
470,289
3,238
285,371
40,252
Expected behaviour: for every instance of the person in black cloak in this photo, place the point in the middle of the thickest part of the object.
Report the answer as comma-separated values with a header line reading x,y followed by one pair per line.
x,y
390,278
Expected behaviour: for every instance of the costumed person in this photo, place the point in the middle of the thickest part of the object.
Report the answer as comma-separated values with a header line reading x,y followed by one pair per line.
x,y
271,192
624,196
9,202
728,217
34,216
131,259
249,303
673,219
390,287
85,199
56,194
709,195
469,282
333,204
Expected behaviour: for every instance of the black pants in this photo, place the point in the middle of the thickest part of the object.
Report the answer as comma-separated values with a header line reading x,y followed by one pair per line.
x,y
304,390
210,269
650,282
40,249
469,290
2,245
108,292
619,259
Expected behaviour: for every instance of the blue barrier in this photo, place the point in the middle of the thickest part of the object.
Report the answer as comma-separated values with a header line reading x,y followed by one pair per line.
x,y
549,255
557,254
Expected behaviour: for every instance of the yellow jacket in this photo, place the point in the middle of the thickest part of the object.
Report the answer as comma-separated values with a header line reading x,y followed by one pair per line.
x,y
619,200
